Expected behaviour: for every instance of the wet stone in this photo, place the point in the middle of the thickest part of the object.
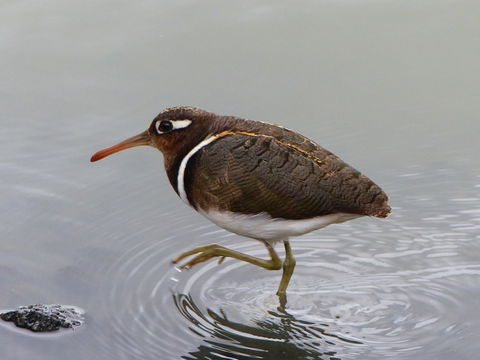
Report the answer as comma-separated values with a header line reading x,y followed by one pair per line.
x,y
44,318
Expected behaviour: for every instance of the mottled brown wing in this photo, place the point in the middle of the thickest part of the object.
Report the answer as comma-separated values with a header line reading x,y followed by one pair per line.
x,y
251,174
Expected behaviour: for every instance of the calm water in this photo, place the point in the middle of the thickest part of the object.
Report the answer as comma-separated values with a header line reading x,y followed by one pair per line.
x,y
390,86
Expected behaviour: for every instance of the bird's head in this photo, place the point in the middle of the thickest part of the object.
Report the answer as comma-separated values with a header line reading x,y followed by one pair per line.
x,y
170,131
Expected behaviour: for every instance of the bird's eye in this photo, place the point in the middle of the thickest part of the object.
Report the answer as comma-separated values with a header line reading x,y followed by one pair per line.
x,y
164,126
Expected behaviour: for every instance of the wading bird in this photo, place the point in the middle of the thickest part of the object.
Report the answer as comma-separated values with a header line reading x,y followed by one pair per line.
x,y
255,179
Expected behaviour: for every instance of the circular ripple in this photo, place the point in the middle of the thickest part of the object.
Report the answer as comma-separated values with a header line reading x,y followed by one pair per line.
x,y
350,295
332,310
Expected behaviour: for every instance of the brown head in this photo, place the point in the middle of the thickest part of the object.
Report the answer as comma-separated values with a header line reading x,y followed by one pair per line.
x,y
174,132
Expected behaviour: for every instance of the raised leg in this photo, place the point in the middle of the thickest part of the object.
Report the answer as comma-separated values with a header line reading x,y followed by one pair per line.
x,y
210,251
288,267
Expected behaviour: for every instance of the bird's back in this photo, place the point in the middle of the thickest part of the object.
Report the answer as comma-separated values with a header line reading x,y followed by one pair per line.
x,y
254,167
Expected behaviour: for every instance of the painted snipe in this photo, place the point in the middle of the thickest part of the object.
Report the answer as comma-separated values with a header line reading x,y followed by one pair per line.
x,y
255,179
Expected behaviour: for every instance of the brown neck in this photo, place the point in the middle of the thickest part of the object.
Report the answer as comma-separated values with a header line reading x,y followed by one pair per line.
x,y
174,151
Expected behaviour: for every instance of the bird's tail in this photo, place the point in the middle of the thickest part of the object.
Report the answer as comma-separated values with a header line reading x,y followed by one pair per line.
x,y
384,211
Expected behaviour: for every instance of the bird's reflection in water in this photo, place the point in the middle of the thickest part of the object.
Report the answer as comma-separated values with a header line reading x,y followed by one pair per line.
x,y
278,336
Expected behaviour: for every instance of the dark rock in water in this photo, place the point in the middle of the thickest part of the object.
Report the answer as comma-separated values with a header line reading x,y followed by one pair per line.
x,y
44,318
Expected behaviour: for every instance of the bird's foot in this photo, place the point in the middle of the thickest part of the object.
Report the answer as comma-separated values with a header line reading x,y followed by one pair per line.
x,y
208,252
205,253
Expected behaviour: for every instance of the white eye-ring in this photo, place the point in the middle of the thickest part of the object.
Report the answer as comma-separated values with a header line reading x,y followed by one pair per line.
x,y
164,126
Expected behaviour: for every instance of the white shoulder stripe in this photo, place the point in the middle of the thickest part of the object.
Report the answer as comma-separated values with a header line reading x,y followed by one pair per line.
x,y
183,166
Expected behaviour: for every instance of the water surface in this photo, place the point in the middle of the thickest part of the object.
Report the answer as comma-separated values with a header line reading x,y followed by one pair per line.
x,y
391,87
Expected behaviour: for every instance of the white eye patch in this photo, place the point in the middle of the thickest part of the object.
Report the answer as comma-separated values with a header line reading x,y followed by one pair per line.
x,y
164,126
180,124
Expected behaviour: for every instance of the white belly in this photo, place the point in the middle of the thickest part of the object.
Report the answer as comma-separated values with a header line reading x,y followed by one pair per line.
x,y
263,227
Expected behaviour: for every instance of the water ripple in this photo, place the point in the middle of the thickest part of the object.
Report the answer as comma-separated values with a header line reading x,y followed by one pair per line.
x,y
349,296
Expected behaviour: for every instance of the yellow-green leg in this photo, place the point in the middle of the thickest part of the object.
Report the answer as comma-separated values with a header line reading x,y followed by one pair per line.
x,y
210,251
288,267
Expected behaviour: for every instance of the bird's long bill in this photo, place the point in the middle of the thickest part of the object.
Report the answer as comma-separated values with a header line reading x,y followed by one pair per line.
x,y
137,140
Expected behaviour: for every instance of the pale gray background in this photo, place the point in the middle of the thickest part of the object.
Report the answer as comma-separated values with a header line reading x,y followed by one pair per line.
x,y
390,86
